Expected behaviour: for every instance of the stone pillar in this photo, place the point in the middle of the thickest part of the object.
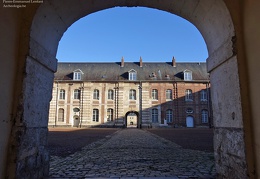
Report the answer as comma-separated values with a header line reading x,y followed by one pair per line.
x,y
28,156
229,142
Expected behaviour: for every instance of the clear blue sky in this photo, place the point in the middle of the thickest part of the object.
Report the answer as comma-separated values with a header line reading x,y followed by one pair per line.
x,y
109,35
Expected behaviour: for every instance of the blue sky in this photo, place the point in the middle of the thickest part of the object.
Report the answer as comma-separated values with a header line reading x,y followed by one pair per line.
x,y
109,35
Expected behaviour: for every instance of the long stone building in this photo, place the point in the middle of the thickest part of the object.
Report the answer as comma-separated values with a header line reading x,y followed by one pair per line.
x,y
131,94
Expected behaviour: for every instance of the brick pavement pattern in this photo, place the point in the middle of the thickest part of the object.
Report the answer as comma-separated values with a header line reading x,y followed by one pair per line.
x,y
134,153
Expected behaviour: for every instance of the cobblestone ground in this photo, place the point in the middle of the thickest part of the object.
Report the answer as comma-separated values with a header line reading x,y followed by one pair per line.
x,y
134,153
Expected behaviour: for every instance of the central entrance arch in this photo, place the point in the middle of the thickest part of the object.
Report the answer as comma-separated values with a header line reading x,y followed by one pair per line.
x,y
132,119
212,19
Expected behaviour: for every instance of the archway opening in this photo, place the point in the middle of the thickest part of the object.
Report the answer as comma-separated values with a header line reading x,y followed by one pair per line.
x,y
212,19
132,119
162,116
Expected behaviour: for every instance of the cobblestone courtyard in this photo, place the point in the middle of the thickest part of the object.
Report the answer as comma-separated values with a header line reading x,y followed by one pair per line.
x,y
133,153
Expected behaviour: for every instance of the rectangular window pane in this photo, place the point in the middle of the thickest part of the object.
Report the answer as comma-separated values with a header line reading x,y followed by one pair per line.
x,y
77,76
110,94
155,94
154,115
203,96
95,115
188,95
76,94
61,115
168,94
62,94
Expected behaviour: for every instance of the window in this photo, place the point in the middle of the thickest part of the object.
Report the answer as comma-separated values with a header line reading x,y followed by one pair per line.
x,y
188,95
62,94
76,109
187,75
204,116
155,94
110,94
76,94
77,74
95,115
61,115
203,95
155,115
132,75
189,110
132,94
168,94
109,114
96,94
169,116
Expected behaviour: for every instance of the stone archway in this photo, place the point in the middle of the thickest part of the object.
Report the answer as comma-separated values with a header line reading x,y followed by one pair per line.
x,y
132,119
51,20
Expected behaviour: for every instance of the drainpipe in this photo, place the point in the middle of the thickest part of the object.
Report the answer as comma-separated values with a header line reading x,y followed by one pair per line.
x,y
116,103
209,106
140,106
56,109
81,104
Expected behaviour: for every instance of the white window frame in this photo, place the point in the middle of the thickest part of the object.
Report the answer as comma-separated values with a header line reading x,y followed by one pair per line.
x,y
95,117
132,94
203,95
155,115
62,94
204,116
169,116
110,94
132,75
96,94
187,75
109,114
154,94
76,94
188,95
168,94
77,74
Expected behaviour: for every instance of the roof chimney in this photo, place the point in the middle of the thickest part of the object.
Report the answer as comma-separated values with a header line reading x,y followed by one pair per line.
x,y
141,62
173,62
122,62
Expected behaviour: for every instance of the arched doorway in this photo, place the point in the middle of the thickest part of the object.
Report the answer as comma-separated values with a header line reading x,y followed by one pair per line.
x,y
132,119
189,121
46,24
76,121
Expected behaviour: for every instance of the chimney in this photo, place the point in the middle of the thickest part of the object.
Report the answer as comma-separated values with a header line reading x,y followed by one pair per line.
x,y
173,62
141,62
122,62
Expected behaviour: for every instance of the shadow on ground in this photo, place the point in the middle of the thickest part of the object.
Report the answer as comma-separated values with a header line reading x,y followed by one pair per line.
x,y
66,141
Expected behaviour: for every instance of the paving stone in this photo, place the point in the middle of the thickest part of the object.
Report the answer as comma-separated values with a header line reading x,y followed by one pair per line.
x,y
134,153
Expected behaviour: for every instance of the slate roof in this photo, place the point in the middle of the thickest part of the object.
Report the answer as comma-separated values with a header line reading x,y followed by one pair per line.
x,y
148,71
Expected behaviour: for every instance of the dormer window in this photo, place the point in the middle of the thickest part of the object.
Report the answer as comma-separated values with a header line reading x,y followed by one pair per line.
x,y
77,74
187,75
132,75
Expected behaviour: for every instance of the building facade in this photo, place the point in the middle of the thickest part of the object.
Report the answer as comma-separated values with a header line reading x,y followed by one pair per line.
x,y
131,95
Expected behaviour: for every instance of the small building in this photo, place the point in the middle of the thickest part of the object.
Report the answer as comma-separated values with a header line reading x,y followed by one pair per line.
x,y
131,94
